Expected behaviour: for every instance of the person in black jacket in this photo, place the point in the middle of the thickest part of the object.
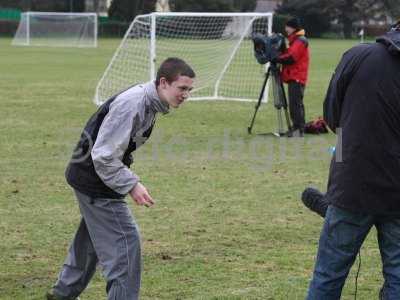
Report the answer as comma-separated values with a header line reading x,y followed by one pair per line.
x,y
362,106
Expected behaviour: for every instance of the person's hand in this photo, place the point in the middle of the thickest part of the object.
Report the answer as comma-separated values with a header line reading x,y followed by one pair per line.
x,y
141,196
275,60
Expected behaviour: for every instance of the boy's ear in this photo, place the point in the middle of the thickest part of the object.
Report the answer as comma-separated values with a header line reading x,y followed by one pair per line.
x,y
163,81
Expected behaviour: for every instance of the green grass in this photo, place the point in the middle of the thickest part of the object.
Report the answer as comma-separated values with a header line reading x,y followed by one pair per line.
x,y
228,223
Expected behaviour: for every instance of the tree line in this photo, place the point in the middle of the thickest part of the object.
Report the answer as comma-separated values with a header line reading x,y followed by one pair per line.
x,y
316,15
319,15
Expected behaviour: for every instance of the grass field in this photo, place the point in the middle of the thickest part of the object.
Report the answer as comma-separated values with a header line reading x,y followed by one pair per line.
x,y
228,223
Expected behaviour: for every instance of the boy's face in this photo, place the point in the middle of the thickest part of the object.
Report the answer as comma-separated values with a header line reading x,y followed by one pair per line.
x,y
176,92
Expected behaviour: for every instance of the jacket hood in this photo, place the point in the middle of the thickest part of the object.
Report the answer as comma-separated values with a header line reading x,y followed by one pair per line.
x,y
391,40
296,34
300,32
156,104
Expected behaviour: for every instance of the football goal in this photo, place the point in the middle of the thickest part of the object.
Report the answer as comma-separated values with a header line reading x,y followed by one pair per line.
x,y
56,29
217,45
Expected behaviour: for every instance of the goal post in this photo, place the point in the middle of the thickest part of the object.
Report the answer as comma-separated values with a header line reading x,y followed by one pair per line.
x,y
217,45
56,29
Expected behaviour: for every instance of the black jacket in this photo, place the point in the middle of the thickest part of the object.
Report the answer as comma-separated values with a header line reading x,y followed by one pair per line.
x,y
363,106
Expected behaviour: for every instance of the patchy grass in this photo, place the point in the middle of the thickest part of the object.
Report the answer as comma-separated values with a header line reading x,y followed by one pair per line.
x,y
228,223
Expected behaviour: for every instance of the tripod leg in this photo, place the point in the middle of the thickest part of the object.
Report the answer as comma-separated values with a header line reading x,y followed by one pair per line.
x,y
280,102
258,102
285,107
289,125
281,130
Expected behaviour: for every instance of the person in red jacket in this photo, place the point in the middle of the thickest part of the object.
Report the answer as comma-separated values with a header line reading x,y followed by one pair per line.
x,y
295,61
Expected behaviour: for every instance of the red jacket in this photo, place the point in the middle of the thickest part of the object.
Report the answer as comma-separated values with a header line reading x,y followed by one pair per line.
x,y
295,59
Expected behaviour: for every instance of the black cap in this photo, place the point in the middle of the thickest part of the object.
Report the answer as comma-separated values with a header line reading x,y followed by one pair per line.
x,y
294,23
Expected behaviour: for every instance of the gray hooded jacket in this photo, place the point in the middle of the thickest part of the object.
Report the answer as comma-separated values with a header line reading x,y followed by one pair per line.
x,y
100,164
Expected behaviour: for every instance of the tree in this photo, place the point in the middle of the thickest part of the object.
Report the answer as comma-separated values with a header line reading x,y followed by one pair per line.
x,y
392,7
201,6
11,4
349,11
127,10
45,5
313,14
76,5
346,12
213,5
244,5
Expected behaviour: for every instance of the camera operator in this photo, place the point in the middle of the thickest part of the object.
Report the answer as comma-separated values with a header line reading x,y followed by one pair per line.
x,y
295,61
363,100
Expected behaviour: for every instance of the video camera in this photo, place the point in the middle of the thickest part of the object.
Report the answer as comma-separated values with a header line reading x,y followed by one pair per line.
x,y
268,48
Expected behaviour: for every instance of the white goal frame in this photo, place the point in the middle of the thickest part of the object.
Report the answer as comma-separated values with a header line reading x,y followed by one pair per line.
x,y
99,98
18,41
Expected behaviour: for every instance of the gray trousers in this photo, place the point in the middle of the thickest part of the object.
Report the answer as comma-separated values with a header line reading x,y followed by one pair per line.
x,y
107,235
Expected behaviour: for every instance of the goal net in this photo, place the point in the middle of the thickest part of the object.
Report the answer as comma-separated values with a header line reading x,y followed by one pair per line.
x,y
57,29
217,45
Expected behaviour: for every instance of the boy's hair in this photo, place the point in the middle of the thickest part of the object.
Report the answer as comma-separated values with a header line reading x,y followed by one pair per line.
x,y
171,68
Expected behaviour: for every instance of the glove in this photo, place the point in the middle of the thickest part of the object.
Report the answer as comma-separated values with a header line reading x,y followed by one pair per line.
x,y
276,60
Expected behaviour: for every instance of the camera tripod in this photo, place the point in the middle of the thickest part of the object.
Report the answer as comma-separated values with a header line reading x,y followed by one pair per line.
x,y
280,101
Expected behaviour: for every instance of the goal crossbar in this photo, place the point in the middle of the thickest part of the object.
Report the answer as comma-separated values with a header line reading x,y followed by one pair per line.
x,y
217,45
